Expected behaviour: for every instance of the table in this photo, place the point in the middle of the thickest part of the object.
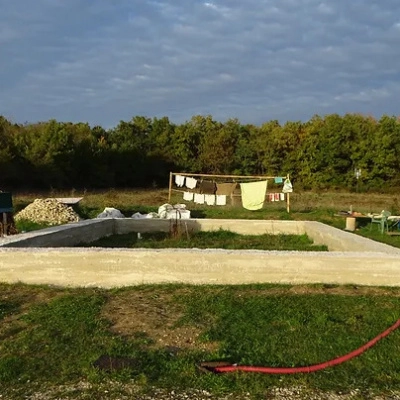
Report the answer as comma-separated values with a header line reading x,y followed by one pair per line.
x,y
394,222
354,220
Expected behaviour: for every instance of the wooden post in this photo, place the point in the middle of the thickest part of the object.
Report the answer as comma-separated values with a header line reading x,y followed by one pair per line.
x,y
4,230
288,198
170,187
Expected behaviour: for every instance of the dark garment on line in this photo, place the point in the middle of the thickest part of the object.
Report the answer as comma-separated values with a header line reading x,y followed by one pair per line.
x,y
226,188
207,187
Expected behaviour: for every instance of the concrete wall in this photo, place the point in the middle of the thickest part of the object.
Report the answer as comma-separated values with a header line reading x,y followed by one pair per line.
x,y
335,239
253,227
62,236
33,257
338,240
91,230
244,227
125,267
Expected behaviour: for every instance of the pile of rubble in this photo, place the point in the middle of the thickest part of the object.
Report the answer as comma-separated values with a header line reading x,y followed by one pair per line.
x,y
166,211
49,211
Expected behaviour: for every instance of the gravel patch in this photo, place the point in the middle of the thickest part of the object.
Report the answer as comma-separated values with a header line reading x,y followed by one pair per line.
x,y
112,390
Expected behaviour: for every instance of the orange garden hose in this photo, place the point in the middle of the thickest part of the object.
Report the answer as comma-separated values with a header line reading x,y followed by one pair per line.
x,y
307,369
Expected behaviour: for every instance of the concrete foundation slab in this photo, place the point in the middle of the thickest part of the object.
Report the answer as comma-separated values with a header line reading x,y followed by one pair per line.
x,y
42,258
115,268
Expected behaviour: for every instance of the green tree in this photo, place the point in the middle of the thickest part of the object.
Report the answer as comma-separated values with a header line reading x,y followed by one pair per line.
x,y
385,152
217,147
187,141
9,157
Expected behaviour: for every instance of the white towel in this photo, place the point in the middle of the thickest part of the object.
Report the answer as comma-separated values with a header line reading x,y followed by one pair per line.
x,y
188,196
199,198
179,180
209,199
282,196
191,183
287,186
220,199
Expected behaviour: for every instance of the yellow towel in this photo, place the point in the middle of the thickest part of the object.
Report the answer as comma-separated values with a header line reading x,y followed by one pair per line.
x,y
253,194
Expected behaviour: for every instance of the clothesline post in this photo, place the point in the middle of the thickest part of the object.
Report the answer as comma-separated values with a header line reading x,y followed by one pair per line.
x,y
170,187
4,223
287,198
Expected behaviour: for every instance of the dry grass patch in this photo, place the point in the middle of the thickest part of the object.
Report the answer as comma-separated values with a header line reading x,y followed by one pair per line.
x,y
155,317
300,201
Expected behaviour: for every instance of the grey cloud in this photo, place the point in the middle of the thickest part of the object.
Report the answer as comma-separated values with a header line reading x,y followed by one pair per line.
x,y
254,60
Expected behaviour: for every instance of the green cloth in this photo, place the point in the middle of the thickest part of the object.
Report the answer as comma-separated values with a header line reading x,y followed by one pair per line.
x,y
253,194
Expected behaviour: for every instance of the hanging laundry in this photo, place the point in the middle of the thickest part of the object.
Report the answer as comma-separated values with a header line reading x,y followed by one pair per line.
x,y
277,197
220,200
282,195
209,199
287,186
253,194
278,179
199,198
207,187
188,196
225,188
191,183
271,197
179,180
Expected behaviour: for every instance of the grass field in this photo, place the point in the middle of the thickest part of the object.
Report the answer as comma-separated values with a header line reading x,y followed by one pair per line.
x,y
52,337
220,239
307,204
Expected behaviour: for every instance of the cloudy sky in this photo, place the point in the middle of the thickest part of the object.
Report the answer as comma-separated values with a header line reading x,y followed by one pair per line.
x,y
102,61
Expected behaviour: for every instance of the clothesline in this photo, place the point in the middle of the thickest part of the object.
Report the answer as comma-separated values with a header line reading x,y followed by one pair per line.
x,y
232,195
181,177
228,176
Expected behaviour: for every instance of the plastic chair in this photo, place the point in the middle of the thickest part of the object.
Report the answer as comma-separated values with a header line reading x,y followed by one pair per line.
x,y
382,220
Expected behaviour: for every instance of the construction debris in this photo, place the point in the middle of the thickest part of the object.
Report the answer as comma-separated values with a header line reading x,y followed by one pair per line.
x,y
110,212
49,211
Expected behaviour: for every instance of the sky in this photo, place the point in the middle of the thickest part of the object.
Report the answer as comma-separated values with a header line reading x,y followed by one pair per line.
x,y
103,61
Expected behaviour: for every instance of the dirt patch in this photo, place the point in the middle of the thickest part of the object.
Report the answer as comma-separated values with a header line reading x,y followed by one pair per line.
x,y
155,317
352,290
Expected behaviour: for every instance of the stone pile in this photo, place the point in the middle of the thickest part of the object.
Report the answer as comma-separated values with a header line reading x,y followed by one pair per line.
x,y
49,211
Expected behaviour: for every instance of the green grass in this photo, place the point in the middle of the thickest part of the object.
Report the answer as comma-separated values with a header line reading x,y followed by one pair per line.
x,y
52,338
24,225
55,335
222,239
374,233
7,307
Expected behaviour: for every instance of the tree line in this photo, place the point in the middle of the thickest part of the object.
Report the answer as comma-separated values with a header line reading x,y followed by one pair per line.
x,y
322,153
